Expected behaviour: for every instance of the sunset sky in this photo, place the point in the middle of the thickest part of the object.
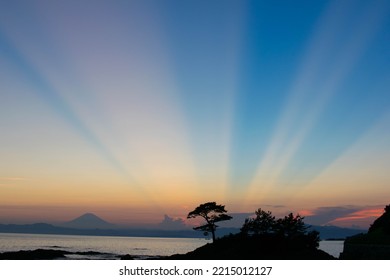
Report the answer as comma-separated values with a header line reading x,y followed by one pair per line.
x,y
136,109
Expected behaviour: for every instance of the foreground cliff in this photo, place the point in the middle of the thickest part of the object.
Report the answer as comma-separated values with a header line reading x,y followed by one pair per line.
x,y
374,245
237,247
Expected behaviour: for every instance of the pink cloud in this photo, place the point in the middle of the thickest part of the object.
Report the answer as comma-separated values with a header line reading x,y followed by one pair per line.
x,y
362,217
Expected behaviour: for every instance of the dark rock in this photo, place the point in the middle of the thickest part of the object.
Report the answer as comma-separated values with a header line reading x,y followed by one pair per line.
x,y
48,254
374,245
39,254
127,257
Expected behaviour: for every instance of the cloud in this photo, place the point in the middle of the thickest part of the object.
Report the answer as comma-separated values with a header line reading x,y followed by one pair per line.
x,y
344,216
362,217
323,215
169,223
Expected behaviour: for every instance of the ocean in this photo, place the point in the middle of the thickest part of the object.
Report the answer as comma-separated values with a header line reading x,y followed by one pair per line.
x,y
113,246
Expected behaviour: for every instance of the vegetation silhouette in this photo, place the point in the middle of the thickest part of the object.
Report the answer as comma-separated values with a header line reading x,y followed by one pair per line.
x,y
382,224
212,213
374,245
290,228
263,237
263,223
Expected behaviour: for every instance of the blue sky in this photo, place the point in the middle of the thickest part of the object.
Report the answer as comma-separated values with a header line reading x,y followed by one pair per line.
x,y
175,103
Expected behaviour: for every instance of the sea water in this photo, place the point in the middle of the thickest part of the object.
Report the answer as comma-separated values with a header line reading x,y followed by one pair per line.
x,y
114,246
332,247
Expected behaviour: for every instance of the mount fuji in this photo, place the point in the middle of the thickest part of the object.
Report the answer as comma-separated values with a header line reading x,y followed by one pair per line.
x,y
88,221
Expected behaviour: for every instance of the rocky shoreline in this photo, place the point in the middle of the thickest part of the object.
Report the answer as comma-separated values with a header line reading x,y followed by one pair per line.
x,y
228,248
54,254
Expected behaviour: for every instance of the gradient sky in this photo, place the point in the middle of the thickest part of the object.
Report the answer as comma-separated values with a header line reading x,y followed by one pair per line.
x,y
136,109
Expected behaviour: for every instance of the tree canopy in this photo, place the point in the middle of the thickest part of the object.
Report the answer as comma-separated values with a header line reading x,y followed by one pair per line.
x,y
212,213
288,227
263,223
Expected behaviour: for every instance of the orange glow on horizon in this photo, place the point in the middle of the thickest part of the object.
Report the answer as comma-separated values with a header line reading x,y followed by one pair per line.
x,y
360,215
362,218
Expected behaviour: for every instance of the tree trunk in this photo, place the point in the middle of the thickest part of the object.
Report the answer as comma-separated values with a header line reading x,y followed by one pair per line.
x,y
213,234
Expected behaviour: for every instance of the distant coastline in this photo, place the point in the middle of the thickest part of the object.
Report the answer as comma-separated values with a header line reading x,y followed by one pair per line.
x,y
326,232
43,228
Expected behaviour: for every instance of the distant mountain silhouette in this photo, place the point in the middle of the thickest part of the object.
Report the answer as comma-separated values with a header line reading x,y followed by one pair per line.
x,y
90,224
333,232
326,232
88,221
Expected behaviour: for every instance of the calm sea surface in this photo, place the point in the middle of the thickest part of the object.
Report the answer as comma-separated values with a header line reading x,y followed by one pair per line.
x,y
332,247
113,246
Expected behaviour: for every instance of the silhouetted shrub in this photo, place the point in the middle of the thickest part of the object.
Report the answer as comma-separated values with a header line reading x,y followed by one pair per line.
x,y
263,223
290,228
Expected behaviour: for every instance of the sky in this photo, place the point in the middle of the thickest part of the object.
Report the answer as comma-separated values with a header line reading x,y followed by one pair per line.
x,y
139,111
